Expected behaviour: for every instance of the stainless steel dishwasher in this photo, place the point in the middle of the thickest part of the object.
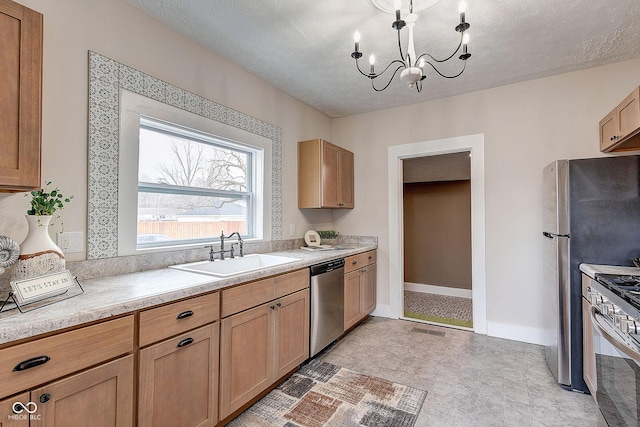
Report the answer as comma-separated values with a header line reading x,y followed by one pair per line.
x,y
327,304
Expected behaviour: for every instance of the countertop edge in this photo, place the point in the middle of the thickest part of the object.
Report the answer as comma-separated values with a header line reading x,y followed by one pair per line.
x,y
124,297
592,270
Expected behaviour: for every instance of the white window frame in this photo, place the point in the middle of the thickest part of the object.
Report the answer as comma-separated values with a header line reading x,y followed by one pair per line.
x,y
133,108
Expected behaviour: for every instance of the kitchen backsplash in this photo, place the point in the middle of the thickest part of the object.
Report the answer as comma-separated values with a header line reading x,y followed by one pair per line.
x,y
90,269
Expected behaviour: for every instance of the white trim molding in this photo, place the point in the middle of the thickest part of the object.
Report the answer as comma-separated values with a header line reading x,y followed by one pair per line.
x,y
475,145
516,333
438,290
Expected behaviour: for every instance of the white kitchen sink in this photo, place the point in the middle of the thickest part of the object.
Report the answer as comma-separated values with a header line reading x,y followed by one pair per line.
x,y
234,266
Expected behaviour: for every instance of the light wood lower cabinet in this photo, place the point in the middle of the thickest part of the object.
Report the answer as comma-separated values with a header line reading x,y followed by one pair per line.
x,y
178,380
359,287
260,345
588,351
11,418
101,396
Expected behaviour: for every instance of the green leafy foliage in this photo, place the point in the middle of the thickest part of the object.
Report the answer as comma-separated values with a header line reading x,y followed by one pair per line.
x,y
45,202
328,234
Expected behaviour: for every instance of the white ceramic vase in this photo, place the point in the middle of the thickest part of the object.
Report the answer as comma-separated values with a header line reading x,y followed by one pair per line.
x,y
39,254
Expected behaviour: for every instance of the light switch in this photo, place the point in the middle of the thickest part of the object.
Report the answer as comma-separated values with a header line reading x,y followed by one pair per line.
x,y
292,229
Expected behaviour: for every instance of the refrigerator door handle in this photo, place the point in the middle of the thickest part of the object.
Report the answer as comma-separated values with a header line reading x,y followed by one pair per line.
x,y
551,235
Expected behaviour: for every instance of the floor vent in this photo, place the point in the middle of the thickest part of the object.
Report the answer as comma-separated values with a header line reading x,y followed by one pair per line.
x,y
427,331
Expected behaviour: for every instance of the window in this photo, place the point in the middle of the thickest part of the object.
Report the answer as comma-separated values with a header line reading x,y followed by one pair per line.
x,y
192,185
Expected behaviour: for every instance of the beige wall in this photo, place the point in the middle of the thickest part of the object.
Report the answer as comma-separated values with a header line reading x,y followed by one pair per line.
x,y
525,127
437,233
119,31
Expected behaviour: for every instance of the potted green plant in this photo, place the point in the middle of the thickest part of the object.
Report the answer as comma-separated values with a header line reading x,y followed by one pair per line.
x,y
328,237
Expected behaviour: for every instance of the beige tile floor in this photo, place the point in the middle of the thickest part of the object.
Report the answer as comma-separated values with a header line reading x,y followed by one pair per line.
x,y
471,379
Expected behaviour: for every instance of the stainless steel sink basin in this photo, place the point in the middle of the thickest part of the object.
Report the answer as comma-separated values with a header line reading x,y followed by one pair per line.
x,y
234,266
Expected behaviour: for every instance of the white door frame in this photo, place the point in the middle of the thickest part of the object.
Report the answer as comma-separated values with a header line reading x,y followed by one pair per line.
x,y
396,153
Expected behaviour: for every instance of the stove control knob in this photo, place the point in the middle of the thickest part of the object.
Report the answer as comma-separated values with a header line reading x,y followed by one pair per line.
x,y
630,327
608,309
598,299
619,319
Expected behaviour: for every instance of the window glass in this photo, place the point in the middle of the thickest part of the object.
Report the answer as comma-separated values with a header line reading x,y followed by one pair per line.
x,y
191,186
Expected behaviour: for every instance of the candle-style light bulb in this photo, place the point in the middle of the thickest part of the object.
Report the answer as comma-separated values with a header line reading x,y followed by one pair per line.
x,y
356,39
372,60
462,8
397,5
465,42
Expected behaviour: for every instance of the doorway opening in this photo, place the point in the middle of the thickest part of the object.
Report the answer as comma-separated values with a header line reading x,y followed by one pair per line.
x,y
473,144
437,239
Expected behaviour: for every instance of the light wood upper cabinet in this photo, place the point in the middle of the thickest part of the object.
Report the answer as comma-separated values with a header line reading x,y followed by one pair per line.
x,y
325,175
620,129
20,96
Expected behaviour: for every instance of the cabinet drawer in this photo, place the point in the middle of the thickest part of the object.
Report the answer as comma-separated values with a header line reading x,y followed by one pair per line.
x,y
291,282
64,353
360,260
243,297
163,322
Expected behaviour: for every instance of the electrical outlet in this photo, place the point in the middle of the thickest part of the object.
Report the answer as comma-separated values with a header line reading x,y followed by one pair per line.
x,y
72,241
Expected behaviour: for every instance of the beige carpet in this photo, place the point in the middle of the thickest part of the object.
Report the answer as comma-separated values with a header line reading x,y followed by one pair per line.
x,y
438,308
321,394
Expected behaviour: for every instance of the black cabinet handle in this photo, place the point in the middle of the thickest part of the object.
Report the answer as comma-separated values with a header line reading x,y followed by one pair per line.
x,y
185,342
354,262
279,304
44,398
273,307
31,363
185,314
370,257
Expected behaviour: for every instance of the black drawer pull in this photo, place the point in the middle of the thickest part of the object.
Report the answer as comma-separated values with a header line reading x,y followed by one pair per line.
x,y
185,342
354,262
31,363
279,304
45,398
273,307
370,257
185,314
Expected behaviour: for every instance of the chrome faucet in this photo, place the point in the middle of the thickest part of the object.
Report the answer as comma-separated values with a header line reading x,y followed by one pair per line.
x,y
240,243
222,251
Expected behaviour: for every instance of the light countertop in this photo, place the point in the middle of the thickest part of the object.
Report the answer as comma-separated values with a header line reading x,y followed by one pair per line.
x,y
110,296
592,269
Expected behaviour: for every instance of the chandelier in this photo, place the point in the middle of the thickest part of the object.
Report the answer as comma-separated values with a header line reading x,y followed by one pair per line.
x,y
413,66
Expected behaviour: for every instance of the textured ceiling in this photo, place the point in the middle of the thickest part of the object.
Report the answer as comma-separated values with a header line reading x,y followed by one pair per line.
x,y
303,46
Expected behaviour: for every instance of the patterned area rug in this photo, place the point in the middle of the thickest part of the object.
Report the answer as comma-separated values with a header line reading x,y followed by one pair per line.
x,y
438,308
322,394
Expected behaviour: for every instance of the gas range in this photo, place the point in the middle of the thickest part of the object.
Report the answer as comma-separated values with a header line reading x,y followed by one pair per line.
x,y
625,288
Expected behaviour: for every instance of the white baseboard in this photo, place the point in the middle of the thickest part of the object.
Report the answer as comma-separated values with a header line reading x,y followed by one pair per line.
x,y
438,290
516,332
382,310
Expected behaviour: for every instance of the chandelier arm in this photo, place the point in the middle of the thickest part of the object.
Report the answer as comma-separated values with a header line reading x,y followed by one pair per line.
x,y
402,65
441,60
358,67
390,80
445,76
400,45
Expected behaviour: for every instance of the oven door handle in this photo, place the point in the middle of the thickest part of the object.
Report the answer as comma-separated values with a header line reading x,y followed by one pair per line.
x,y
612,339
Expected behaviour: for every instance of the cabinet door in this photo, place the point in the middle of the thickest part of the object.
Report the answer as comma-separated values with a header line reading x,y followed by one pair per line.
x,y
345,179
589,356
9,417
20,96
608,130
291,332
368,290
629,114
246,356
330,168
99,397
178,380
352,290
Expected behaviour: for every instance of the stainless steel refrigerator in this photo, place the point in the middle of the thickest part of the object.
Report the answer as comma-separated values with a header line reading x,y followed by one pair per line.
x,y
591,215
